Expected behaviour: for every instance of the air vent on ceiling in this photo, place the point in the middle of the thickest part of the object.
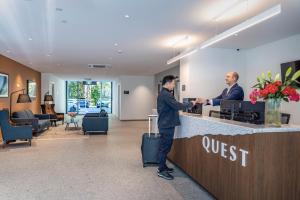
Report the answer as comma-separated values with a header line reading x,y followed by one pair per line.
x,y
99,66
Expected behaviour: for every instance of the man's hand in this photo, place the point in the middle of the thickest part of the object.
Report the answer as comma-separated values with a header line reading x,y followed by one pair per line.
x,y
201,100
194,102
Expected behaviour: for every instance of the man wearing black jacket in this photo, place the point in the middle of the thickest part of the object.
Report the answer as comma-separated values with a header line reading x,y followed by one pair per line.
x,y
168,119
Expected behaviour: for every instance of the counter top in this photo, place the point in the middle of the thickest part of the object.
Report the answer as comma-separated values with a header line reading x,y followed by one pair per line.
x,y
192,125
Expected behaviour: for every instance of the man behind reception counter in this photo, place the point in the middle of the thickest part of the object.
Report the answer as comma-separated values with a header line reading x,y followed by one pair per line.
x,y
168,119
233,92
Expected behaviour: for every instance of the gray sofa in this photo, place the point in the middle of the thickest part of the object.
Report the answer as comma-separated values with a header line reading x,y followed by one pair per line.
x,y
95,123
39,122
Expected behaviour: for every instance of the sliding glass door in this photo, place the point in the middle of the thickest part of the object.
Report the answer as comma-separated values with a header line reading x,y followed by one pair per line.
x,y
88,96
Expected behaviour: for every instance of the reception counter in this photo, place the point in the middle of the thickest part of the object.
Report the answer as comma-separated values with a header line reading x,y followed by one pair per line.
x,y
235,160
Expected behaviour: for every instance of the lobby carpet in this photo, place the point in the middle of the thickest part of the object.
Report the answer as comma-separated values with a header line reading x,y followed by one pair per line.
x,y
68,165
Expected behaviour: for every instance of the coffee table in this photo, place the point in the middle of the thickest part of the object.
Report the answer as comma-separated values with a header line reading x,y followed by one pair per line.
x,y
71,119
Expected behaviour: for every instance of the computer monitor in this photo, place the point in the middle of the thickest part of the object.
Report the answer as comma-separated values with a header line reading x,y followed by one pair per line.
x,y
252,113
243,111
229,109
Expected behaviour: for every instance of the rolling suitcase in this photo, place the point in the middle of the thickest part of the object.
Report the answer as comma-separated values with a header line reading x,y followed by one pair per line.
x,y
150,145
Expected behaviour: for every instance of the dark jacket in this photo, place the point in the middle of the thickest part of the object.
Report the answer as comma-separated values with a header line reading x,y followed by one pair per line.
x,y
167,108
235,93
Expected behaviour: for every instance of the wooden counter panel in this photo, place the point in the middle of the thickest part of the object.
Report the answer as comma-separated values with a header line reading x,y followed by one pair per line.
x,y
272,170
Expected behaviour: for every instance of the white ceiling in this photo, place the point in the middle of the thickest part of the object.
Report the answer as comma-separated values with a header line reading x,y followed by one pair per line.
x,y
93,27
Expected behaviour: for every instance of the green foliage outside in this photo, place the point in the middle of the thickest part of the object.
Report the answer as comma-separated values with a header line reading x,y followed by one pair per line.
x,y
95,94
76,90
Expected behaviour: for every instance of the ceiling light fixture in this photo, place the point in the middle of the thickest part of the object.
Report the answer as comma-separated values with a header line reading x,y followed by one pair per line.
x,y
236,7
232,31
126,16
181,55
244,25
116,44
181,41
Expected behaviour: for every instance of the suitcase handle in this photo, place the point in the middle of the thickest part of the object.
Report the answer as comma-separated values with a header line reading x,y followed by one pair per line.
x,y
149,123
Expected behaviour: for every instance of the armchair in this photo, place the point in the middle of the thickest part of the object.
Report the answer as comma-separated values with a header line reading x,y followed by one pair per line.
x,y
12,133
54,116
95,123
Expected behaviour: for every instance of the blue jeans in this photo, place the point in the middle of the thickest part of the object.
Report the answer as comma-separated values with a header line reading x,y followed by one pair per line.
x,y
165,144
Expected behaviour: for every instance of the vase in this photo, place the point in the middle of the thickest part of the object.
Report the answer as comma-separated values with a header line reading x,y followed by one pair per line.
x,y
273,112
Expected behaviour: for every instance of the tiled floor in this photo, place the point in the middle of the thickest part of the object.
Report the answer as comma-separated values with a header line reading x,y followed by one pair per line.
x,y
68,165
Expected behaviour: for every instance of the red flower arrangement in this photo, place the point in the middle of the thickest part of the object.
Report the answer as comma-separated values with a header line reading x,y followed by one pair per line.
x,y
268,88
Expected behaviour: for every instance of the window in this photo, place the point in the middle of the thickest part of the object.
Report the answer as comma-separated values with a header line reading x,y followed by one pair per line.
x,y
83,96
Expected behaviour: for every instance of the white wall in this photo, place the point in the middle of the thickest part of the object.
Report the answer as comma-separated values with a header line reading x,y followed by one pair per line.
x,y
135,106
204,72
115,101
269,57
140,101
60,91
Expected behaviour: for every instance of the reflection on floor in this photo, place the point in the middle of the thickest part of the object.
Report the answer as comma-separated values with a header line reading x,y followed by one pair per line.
x,y
68,165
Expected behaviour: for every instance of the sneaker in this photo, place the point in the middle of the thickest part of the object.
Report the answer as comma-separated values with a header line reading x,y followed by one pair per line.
x,y
164,174
168,169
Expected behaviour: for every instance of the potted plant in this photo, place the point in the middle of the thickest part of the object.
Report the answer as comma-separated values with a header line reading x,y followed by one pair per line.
x,y
273,91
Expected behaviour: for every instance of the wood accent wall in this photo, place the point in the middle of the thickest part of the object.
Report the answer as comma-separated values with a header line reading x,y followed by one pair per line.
x,y
18,76
272,172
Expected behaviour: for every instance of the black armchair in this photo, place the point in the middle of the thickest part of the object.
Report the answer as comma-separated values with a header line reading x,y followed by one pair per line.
x,y
12,133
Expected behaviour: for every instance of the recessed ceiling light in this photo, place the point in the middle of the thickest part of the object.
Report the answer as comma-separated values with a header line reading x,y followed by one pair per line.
x,y
126,16
64,21
116,44
29,39
59,9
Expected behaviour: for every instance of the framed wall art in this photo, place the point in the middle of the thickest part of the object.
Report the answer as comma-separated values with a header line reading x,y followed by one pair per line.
x,y
4,90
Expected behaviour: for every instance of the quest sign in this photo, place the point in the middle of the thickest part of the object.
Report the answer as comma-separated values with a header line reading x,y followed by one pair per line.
x,y
224,150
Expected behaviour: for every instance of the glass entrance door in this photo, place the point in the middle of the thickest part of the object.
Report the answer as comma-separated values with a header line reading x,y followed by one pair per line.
x,y
89,97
